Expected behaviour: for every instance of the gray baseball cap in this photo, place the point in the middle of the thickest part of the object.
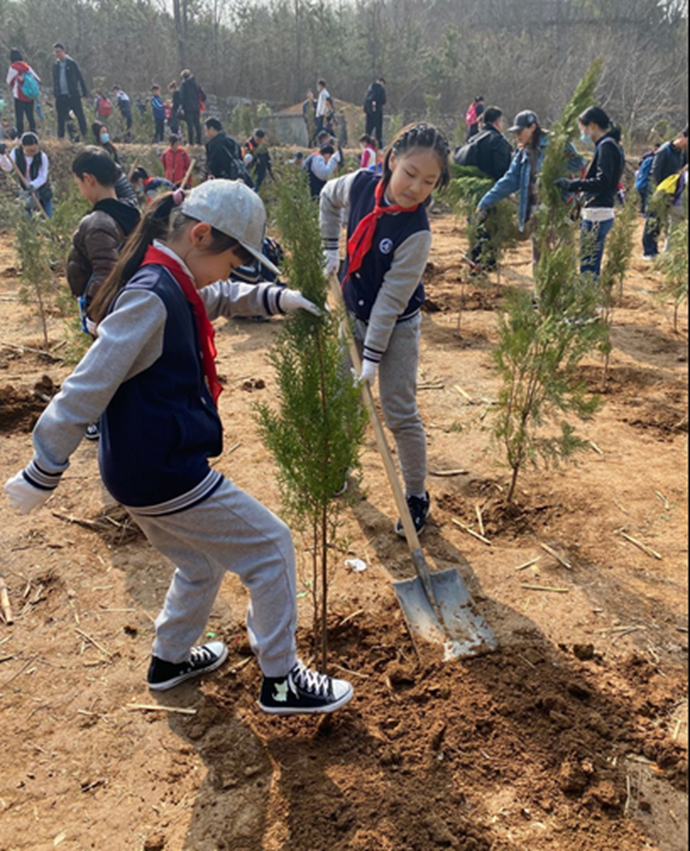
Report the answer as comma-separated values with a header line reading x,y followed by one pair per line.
x,y
523,120
234,209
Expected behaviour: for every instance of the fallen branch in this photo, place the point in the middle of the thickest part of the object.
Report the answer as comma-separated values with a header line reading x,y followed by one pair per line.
x,y
43,352
546,588
93,641
147,707
446,474
463,393
480,520
5,603
596,448
645,549
559,558
472,532
529,563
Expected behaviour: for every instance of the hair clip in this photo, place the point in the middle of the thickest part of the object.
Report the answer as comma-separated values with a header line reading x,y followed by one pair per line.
x,y
178,197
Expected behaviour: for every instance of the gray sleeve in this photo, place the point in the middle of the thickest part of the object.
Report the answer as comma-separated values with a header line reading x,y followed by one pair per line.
x,y
397,289
235,298
130,340
335,197
324,170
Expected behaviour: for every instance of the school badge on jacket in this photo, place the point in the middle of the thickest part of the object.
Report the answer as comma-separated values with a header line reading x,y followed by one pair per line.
x,y
386,246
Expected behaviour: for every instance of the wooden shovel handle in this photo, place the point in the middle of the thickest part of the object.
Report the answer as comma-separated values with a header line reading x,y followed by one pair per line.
x,y
382,443
183,185
29,189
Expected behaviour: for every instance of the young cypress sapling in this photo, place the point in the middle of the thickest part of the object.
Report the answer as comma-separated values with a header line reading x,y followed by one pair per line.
x,y
316,431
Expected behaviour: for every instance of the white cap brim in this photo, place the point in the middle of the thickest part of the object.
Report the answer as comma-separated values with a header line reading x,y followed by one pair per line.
x,y
258,255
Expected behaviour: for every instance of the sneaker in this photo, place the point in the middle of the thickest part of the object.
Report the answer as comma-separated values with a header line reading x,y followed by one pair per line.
x,y
93,431
304,692
163,675
650,258
419,509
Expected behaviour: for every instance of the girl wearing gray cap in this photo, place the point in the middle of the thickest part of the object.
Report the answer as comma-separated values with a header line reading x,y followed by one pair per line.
x,y
150,378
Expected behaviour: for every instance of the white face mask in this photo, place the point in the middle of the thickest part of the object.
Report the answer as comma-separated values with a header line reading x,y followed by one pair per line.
x,y
586,138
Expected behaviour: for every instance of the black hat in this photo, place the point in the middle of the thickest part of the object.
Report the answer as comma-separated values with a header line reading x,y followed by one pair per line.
x,y
524,119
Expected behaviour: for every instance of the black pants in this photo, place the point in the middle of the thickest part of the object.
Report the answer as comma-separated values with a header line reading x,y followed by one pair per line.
x,y
159,134
374,127
65,103
24,108
127,116
193,121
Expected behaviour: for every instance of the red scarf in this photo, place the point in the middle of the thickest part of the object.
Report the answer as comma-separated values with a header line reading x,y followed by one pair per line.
x,y
155,257
359,244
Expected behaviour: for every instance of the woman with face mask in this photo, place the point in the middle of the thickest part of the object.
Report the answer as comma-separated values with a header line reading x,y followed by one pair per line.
x,y
123,188
599,187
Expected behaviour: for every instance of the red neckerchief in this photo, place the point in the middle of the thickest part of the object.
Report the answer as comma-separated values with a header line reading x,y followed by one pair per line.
x,y
360,242
155,257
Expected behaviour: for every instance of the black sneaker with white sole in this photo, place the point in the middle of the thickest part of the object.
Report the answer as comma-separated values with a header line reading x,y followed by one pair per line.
x,y
304,692
93,431
163,675
419,509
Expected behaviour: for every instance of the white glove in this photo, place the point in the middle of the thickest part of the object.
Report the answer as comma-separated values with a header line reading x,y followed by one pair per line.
x,y
369,372
331,261
292,300
23,496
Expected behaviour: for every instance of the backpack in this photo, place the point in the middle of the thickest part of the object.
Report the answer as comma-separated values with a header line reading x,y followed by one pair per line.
x,y
468,154
471,115
201,96
104,108
29,86
644,173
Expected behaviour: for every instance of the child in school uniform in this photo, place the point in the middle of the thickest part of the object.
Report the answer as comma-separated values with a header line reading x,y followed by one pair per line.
x,y
176,162
389,240
34,166
150,377
158,110
369,152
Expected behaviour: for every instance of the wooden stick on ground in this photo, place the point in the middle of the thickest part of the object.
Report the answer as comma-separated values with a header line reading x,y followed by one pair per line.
x,y
446,474
93,641
529,563
5,603
150,707
559,558
463,392
472,532
546,588
645,549
480,520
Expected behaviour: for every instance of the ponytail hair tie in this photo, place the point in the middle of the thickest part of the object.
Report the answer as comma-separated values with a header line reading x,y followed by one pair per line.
x,y
178,197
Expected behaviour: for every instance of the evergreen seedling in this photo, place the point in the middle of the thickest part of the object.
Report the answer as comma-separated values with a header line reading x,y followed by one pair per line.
x,y
674,263
317,429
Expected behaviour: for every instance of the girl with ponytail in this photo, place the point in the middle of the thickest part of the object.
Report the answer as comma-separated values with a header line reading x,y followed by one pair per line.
x,y
389,239
150,378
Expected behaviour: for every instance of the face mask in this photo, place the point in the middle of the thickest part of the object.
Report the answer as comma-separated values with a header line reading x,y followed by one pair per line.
x,y
585,138
105,138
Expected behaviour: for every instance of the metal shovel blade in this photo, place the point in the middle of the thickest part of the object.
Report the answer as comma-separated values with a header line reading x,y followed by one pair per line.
x,y
452,622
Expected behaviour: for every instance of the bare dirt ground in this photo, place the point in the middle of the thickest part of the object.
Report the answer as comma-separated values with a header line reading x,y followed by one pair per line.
x,y
573,737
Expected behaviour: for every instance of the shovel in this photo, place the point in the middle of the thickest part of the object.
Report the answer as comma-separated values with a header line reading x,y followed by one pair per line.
x,y
437,607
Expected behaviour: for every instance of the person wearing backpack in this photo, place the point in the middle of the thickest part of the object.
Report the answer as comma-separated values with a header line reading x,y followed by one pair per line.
x,y
223,154
374,102
23,83
599,187
125,106
472,116
320,168
175,107
643,177
191,100
176,162
158,110
69,87
102,106
256,147
669,160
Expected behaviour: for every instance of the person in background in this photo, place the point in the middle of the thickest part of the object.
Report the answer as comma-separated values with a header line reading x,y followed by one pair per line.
x,y
102,106
158,110
176,162
68,87
322,106
669,159
369,152
191,99
598,189
223,154
320,168
257,147
17,81
473,116
123,188
149,187
374,102
309,117
297,160
643,177
33,164
175,107
125,106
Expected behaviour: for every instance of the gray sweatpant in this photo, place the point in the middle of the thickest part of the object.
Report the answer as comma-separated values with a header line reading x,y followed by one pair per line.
x,y
228,531
398,394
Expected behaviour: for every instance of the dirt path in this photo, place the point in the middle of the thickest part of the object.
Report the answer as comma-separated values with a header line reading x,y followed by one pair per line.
x,y
572,738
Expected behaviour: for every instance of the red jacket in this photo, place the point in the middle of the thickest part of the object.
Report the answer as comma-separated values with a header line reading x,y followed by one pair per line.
x,y
176,164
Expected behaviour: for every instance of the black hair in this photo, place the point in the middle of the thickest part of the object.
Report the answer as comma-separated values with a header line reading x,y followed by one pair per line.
x,y
420,136
327,149
260,134
58,46
29,139
381,80
172,85
96,130
154,87
139,174
479,98
97,163
322,83
323,134
597,115
368,140
213,124
173,138
684,132
492,114
161,221
15,55
299,155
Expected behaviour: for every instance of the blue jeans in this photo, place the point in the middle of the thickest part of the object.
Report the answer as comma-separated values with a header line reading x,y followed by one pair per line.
x,y
592,239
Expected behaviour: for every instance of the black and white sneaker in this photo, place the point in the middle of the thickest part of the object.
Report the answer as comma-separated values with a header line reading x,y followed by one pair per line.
x,y
163,675
93,431
304,692
419,509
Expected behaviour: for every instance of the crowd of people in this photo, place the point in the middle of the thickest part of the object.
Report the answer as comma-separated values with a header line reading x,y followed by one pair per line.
x,y
150,277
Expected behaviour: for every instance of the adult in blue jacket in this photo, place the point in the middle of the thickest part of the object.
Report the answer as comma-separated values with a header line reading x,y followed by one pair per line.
x,y
523,174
